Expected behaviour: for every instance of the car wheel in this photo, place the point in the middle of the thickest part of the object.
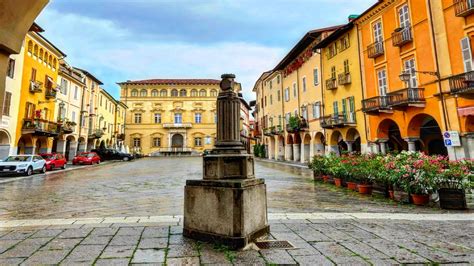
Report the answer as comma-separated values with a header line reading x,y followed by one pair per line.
x,y
29,171
74,163
51,167
98,162
126,158
64,166
43,170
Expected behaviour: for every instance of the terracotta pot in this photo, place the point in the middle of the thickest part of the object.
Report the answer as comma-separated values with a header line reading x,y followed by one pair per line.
x,y
390,194
338,182
352,186
401,196
325,178
420,199
317,177
365,189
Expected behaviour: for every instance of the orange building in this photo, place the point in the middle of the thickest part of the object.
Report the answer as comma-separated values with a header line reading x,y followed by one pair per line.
x,y
402,86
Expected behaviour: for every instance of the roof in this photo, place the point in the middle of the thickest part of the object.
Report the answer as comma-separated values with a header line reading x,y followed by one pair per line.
x,y
262,77
335,35
171,82
87,73
36,28
369,9
307,39
37,32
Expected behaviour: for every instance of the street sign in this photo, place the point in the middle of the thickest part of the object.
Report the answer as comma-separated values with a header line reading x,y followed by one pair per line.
x,y
451,139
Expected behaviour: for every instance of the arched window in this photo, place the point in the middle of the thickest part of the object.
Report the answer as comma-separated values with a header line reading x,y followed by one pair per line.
x,y
45,58
134,93
194,93
183,93
41,54
50,60
35,51
30,47
54,63
174,93
213,93
154,93
163,93
202,93
143,93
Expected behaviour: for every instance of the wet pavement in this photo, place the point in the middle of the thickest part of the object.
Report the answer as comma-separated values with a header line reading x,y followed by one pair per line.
x,y
154,186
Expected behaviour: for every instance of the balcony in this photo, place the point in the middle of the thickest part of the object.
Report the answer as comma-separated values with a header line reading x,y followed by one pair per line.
x,y
409,97
68,127
40,127
375,104
338,120
375,50
402,36
296,124
272,131
177,125
331,84
50,94
96,134
120,136
463,8
344,78
462,84
35,86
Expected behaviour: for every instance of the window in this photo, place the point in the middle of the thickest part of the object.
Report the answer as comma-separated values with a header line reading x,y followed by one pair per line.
x,y
64,86
138,118
178,118
163,93
271,84
332,50
202,93
213,93
317,110
6,103
377,28
33,74
48,82
304,83
83,120
35,50
183,93
404,16
344,42
335,108
76,92
333,72
11,68
346,66
316,77
265,98
198,142
304,112
410,68
194,93
73,116
382,81
287,94
208,140
271,100
174,93
137,142
154,93
100,100
134,93
41,52
30,47
295,93
278,95
467,54
156,142
157,118
143,93
197,118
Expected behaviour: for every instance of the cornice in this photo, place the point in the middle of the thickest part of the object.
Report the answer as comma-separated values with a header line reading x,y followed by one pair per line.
x,y
374,11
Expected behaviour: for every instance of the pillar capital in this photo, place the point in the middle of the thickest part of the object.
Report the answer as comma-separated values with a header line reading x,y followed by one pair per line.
x,y
411,139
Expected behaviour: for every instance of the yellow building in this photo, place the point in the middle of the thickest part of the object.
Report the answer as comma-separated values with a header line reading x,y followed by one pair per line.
x,y
170,116
36,126
343,120
120,113
106,108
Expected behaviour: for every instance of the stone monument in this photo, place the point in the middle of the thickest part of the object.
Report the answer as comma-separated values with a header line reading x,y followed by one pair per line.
x,y
229,206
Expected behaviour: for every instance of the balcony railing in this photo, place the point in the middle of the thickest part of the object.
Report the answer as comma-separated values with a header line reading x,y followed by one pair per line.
x,y
344,78
274,130
463,8
35,86
338,120
176,149
402,36
375,104
50,94
407,97
40,127
462,84
331,84
177,125
375,50
96,134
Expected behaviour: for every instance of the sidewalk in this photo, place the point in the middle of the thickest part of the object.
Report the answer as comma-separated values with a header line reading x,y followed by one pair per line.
x,y
319,238
295,164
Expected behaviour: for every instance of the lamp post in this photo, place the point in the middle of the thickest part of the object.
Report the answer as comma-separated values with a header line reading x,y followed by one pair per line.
x,y
405,77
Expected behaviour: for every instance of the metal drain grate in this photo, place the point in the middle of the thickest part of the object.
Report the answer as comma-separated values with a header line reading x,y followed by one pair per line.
x,y
274,244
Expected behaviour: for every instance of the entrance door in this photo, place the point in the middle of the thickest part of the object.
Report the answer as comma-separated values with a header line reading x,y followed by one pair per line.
x,y
177,141
68,149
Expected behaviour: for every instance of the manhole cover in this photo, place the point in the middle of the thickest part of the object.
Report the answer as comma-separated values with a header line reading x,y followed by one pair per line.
x,y
274,244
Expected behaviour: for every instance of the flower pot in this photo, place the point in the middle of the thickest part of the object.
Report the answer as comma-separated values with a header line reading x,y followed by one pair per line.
x,y
326,179
351,186
317,177
390,194
365,189
420,199
380,189
453,199
338,182
400,196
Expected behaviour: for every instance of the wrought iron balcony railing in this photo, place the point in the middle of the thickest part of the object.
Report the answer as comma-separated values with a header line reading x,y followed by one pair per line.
x,y
96,134
375,104
40,127
462,84
344,78
50,94
402,36
413,97
331,84
375,50
463,8
338,120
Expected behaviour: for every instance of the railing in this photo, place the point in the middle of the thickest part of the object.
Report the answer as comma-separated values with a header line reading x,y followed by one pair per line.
x,y
402,36
331,84
40,127
268,131
96,134
177,125
120,136
406,97
375,104
67,128
375,49
50,93
344,78
338,120
35,86
176,149
463,8
462,83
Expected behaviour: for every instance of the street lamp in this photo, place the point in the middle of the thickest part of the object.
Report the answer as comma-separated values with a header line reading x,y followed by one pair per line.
x,y
405,76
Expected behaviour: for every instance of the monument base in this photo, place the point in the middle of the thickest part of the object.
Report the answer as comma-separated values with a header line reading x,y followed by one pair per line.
x,y
229,212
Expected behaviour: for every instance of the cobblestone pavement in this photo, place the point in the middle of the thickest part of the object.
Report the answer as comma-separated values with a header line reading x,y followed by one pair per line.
x,y
317,241
154,186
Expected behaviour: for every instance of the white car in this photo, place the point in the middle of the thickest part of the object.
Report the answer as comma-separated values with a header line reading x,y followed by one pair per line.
x,y
22,164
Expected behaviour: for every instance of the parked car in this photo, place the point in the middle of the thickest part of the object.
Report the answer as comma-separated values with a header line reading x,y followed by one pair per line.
x,y
23,164
54,160
86,158
111,154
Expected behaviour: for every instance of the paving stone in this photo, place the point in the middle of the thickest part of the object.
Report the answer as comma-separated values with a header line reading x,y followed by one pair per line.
x,y
75,233
7,244
84,253
104,231
311,234
429,253
248,257
127,231
11,261
43,257
17,235
210,255
394,251
182,261
331,232
25,248
156,243
148,256
112,262
338,253
364,250
62,243
182,250
312,260
176,230
303,249
117,252
46,233
180,239
153,232
277,256
124,240
279,228
96,240
383,262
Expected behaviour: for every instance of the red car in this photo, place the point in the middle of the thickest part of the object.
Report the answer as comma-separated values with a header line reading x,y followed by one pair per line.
x,y
86,158
54,160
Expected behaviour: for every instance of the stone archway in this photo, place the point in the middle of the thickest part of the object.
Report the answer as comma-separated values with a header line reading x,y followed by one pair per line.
x,y
71,148
305,148
425,135
388,134
41,145
318,144
289,148
353,140
177,141
25,145
336,143
469,124
4,144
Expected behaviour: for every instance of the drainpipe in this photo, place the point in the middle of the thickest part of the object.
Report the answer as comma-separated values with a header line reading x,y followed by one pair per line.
x,y
82,115
323,102
362,84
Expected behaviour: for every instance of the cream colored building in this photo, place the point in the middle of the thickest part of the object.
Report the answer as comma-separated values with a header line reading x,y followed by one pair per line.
x,y
106,108
170,116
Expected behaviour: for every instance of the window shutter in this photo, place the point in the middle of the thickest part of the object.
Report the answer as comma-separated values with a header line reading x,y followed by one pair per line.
x,y
466,54
335,108
344,108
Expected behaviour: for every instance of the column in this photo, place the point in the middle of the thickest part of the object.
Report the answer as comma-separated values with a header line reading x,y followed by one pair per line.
x,y
288,152
319,149
411,144
349,144
281,152
311,151
296,152
376,148
61,146
302,152
72,150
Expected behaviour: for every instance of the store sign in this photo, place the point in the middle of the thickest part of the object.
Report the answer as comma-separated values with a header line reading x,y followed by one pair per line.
x,y
451,139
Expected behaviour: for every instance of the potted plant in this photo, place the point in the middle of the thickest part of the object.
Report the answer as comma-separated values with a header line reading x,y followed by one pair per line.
x,y
365,174
319,167
452,184
293,124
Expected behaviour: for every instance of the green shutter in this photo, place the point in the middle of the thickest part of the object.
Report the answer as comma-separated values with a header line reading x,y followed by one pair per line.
x,y
335,108
344,108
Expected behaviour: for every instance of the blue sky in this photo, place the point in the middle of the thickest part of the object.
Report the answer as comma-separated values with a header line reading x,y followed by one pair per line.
x,y
120,40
